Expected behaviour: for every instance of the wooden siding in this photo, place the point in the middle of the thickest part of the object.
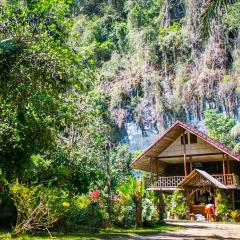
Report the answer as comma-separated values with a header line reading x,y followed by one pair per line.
x,y
176,148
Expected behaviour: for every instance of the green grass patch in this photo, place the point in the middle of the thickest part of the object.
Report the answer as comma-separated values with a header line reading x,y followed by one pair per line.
x,y
85,233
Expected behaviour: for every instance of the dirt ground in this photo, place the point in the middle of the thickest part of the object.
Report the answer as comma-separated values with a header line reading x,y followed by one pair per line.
x,y
198,231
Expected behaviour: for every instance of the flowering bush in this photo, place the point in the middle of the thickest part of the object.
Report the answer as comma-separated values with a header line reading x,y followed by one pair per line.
x,y
149,210
94,195
123,211
88,210
38,208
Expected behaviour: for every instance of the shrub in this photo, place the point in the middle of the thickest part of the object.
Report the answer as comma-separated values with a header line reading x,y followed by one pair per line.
x,y
123,212
87,210
177,204
38,208
234,214
222,204
149,211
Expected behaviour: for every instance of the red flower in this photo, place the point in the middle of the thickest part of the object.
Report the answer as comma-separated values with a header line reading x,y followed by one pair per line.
x,y
94,195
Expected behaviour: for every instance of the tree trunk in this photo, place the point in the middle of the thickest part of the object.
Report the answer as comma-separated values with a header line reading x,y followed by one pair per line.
x,y
161,207
109,186
138,211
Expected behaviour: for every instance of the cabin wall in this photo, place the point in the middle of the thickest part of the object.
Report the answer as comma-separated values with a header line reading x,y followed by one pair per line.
x,y
174,170
177,148
210,167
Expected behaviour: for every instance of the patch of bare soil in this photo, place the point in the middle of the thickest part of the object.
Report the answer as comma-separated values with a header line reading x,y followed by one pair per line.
x,y
195,231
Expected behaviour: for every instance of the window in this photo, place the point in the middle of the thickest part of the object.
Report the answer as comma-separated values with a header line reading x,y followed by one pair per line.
x,y
193,138
186,139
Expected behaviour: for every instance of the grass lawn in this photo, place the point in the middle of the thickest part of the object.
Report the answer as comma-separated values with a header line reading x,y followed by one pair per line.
x,y
84,234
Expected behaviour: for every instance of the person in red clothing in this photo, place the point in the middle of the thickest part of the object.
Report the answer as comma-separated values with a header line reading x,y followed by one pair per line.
x,y
209,211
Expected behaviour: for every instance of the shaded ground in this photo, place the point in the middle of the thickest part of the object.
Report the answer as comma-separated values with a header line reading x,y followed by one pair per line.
x,y
198,231
87,233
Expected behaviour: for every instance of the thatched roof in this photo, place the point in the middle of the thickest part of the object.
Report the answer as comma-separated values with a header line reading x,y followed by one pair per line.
x,y
201,178
169,136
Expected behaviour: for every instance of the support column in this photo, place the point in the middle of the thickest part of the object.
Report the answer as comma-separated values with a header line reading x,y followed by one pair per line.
x,y
161,207
224,170
233,199
191,167
228,166
188,204
150,168
157,168
184,155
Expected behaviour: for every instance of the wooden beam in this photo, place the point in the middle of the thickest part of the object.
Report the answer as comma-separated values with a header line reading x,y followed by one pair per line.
x,y
224,172
150,168
233,199
188,204
157,168
185,164
184,155
190,160
228,165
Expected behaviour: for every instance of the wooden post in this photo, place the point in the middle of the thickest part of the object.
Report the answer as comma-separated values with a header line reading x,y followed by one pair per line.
x,y
188,204
150,181
228,166
184,155
161,207
150,167
191,168
157,168
233,199
224,172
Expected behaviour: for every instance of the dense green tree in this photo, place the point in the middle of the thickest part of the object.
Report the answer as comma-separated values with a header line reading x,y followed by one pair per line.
x,y
37,71
219,126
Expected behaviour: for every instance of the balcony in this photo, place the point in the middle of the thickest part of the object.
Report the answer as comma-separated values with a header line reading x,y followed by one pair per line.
x,y
230,180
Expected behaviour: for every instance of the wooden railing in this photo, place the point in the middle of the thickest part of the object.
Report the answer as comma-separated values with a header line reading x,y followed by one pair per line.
x,y
173,181
227,179
167,181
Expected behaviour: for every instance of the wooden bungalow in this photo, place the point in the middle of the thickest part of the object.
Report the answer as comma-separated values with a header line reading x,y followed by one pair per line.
x,y
187,159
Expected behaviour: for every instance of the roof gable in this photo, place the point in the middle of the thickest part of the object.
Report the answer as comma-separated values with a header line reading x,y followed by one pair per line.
x,y
169,136
176,148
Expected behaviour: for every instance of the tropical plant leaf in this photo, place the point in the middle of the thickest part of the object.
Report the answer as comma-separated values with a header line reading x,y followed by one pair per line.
x,y
210,10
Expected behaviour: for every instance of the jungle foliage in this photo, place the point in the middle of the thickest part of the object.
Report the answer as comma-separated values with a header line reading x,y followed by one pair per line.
x,y
73,73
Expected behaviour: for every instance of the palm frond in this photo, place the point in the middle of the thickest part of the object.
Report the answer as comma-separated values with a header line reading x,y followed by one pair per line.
x,y
131,187
210,10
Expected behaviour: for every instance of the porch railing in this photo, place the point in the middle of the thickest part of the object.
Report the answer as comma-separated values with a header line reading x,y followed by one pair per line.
x,y
167,181
173,181
230,179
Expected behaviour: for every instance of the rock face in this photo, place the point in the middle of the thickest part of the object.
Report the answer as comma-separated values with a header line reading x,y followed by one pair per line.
x,y
170,73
